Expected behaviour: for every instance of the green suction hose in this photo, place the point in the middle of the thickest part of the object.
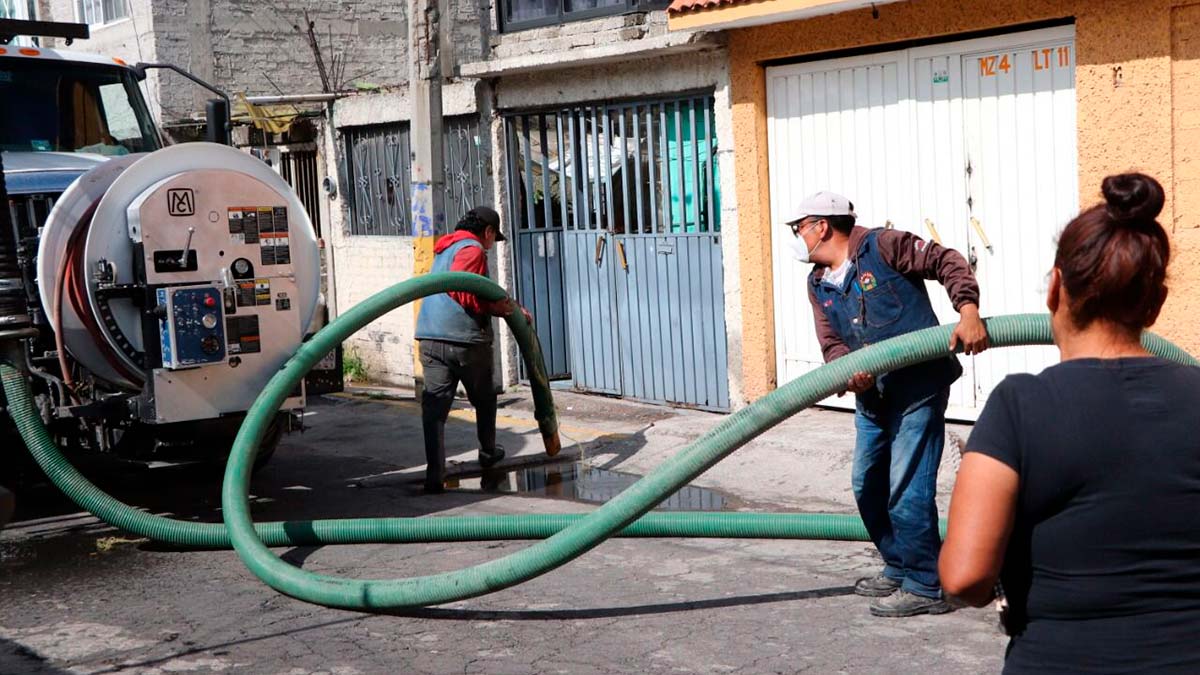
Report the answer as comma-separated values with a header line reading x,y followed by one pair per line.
x,y
570,535
390,530
586,533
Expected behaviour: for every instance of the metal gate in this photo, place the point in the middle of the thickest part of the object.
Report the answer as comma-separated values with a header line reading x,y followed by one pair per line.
x,y
619,246
299,168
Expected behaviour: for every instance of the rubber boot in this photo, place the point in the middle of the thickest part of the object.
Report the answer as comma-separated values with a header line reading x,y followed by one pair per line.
x,y
435,452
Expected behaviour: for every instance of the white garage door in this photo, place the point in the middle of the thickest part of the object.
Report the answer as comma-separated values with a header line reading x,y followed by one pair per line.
x,y
972,143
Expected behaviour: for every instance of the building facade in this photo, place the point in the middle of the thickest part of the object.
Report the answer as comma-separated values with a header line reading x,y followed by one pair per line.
x,y
642,157
985,125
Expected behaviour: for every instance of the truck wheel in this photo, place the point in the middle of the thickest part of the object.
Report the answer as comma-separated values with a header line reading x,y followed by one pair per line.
x,y
270,441
8,504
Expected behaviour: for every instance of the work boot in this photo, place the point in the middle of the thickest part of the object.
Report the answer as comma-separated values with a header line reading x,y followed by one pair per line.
x,y
904,604
490,458
878,586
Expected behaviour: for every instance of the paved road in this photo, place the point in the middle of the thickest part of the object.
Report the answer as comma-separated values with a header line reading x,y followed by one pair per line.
x,y
78,597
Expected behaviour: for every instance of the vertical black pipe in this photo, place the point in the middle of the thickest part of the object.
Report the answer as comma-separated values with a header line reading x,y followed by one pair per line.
x,y
217,116
14,312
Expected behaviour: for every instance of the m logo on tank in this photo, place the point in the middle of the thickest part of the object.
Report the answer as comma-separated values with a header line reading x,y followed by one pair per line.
x,y
181,202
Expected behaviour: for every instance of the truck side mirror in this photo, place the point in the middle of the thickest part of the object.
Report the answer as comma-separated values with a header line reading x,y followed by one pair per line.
x,y
220,125
216,121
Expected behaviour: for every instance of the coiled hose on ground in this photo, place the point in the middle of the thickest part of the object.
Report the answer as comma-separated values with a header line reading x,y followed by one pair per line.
x,y
566,536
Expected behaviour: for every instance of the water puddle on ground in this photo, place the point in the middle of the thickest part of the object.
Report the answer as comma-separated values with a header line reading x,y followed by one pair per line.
x,y
579,482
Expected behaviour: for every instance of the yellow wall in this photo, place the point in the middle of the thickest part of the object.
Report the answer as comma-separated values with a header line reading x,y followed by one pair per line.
x,y
1130,125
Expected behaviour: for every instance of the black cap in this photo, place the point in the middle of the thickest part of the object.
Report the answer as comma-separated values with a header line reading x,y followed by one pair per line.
x,y
488,216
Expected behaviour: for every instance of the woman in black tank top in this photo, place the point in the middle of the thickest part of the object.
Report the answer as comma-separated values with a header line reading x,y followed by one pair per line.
x,y
1079,489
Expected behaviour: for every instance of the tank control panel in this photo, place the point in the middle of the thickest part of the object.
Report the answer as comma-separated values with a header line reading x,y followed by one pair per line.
x,y
191,326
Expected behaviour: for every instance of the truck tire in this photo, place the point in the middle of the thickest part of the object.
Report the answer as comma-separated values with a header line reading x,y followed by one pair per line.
x,y
8,504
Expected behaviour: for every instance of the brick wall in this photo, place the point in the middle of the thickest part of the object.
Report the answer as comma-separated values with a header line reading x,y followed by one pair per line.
x,y
261,48
579,35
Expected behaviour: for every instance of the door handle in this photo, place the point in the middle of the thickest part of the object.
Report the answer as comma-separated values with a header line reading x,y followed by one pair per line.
x,y
621,255
982,235
933,233
599,249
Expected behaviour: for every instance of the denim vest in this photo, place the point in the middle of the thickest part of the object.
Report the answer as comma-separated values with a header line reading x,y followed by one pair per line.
x,y
874,303
441,318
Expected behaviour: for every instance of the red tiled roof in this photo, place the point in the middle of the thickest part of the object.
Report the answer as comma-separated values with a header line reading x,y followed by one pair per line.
x,y
681,6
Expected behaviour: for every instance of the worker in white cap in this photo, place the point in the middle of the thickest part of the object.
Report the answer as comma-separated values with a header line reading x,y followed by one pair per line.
x,y
868,285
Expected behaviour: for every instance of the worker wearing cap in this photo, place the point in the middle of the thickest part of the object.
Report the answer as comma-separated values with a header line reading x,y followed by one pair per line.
x,y
868,285
455,334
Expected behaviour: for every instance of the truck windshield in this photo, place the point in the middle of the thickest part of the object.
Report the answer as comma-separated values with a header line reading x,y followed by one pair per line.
x,y
54,105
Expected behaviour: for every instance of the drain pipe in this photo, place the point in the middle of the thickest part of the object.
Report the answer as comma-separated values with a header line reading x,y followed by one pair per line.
x,y
15,323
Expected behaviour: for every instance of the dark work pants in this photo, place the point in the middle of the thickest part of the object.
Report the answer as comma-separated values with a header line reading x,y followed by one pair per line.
x,y
445,364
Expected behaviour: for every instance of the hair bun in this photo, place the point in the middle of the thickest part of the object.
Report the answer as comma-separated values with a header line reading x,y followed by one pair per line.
x,y
1134,199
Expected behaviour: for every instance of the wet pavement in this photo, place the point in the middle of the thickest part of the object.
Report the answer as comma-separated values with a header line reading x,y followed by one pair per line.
x,y
79,597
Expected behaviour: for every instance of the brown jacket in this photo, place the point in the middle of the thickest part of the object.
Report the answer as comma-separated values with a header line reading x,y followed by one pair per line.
x,y
911,256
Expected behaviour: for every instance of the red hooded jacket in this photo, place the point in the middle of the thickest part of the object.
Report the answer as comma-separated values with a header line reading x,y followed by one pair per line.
x,y
468,259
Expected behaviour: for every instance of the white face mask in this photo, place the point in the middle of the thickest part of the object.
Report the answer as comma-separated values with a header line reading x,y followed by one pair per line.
x,y
800,249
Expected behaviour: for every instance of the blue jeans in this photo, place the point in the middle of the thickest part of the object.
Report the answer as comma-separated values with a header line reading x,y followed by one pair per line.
x,y
896,458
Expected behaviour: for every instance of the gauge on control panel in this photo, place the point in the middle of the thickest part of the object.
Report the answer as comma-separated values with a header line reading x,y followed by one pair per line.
x,y
210,344
242,269
191,328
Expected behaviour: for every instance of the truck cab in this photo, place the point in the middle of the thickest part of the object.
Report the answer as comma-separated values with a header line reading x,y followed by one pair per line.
x,y
65,114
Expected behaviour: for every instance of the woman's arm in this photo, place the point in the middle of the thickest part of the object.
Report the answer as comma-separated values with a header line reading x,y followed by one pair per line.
x,y
982,510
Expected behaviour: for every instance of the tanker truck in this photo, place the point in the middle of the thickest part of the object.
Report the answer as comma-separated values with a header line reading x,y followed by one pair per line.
x,y
155,289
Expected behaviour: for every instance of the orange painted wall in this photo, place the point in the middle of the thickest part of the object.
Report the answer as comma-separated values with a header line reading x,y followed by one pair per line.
x,y
1127,124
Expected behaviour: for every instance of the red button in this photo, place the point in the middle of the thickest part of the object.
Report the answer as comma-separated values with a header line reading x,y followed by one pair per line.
x,y
210,301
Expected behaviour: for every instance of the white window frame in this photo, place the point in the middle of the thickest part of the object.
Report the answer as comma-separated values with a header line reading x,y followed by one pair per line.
x,y
98,5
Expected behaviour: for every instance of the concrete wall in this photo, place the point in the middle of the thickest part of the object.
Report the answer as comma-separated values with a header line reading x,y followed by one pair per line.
x,y
1183,307
364,265
579,35
646,77
260,47
1142,121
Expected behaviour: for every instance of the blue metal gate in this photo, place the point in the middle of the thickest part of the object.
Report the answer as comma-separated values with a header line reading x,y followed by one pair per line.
x,y
619,246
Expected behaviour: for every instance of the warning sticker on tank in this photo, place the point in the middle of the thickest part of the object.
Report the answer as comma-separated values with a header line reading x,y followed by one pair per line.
x,y
250,226
242,335
262,291
267,247
252,222
275,249
266,219
235,221
253,292
245,294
